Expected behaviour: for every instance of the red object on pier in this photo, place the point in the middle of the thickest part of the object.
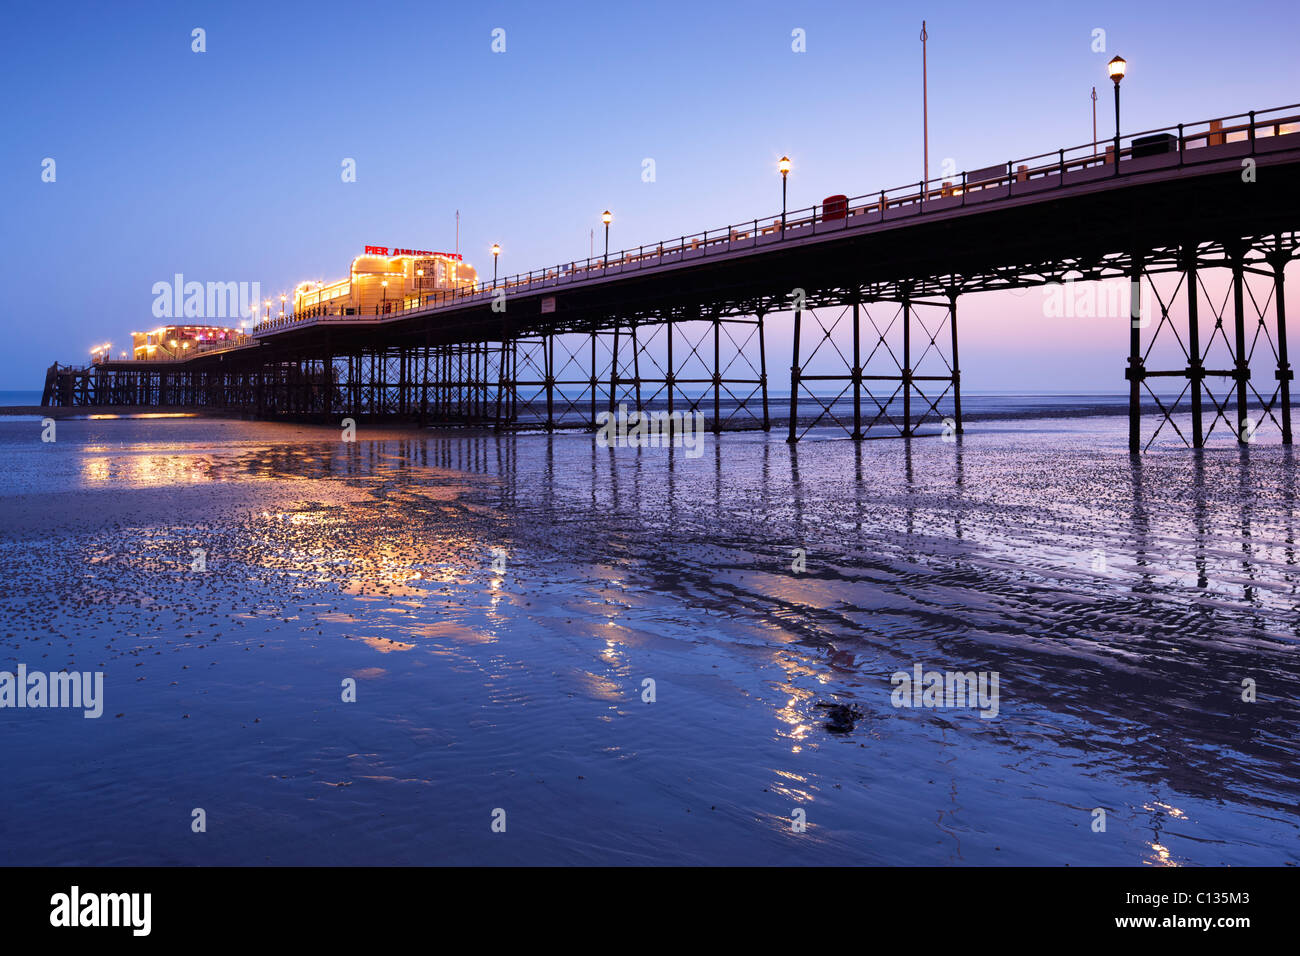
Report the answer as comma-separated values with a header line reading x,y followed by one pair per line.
x,y
835,207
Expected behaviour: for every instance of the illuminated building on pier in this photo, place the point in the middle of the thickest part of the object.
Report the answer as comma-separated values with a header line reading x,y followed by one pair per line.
x,y
176,341
384,280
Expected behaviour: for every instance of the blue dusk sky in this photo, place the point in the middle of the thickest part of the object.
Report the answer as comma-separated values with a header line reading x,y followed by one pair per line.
x,y
225,165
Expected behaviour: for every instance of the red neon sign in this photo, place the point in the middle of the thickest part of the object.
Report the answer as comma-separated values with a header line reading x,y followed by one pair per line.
x,y
420,253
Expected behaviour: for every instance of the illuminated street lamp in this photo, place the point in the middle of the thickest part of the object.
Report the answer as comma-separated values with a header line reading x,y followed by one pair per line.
x,y
1116,68
606,217
268,309
784,166
496,251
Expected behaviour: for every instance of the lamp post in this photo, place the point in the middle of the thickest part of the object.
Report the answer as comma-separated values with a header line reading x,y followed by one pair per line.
x,y
384,284
1116,68
268,310
606,217
784,166
282,298
496,251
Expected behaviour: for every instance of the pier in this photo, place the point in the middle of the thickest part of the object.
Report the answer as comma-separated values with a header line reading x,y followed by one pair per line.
x,y
874,284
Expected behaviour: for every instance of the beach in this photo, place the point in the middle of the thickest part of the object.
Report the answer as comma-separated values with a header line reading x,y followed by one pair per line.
x,y
500,602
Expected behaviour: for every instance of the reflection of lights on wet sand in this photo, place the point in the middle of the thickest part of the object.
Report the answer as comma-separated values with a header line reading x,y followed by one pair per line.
x,y
1166,808
790,714
610,655
1160,855
385,646
797,730
144,415
302,517
440,575
784,786
601,687
146,469
451,630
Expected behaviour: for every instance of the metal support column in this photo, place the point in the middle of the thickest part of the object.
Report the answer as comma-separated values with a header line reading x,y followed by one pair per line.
x,y
595,378
956,364
501,372
1284,373
1241,368
857,371
669,378
1135,373
613,372
636,366
907,366
794,378
717,375
1195,368
424,382
548,349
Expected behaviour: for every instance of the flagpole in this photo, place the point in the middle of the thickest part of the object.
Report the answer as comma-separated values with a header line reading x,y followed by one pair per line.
x,y
1094,122
925,103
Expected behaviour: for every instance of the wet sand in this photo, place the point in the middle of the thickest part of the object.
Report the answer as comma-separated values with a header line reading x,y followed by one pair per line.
x,y
1121,601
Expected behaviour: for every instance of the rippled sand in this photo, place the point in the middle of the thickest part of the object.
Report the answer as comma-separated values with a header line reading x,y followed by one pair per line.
x,y
1122,604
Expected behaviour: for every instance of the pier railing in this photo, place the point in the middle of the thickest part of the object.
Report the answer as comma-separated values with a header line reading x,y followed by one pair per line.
x,y
1183,145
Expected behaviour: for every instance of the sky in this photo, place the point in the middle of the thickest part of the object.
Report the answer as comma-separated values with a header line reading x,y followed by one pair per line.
x,y
225,165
